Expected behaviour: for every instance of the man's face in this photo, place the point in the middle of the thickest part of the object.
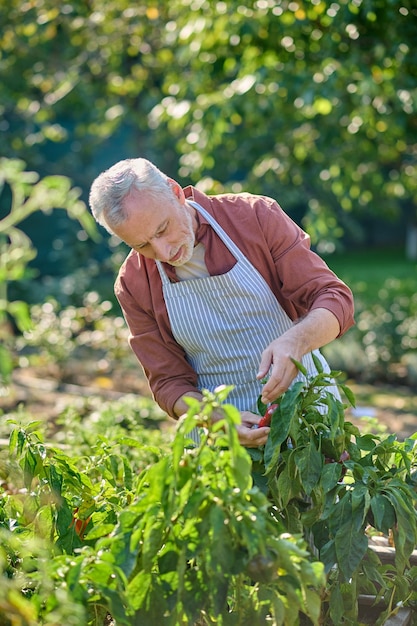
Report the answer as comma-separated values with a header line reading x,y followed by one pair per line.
x,y
164,232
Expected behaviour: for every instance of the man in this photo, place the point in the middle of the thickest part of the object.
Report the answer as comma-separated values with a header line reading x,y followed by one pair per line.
x,y
216,290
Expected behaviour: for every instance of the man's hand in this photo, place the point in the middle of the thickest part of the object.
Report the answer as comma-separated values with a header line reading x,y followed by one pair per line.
x,y
250,437
276,358
317,329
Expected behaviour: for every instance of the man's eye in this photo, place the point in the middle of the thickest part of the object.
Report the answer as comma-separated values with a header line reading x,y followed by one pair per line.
x,y
161,232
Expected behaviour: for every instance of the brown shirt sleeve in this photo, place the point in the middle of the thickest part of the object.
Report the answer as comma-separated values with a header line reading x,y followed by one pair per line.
x,y
163,361
273,243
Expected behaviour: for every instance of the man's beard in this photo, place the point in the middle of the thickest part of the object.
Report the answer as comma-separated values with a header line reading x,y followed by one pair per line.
x,y
188,244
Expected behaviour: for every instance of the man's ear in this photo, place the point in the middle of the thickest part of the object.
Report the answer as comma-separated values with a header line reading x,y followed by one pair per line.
x,y
176,189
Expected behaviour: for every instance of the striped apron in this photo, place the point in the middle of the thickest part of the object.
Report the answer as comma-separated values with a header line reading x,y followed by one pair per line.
x,y
225,322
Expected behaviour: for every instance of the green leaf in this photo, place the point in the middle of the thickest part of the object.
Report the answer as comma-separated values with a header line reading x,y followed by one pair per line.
x,y
312,605
330,475
405,529
138,589
20,312
21,441
351,545
289,400
334,416
33,427
309,462
13,441
317,362
134,443
219,525
300,367
351,429
366,442
281,425
99,530
6,363
30,467
271,455
152,541
64,518
168,561
261,406
128,474
328,555
349,394
123,550
284,487
383,513
373,572
55,479
336,605
278,609
360,498
241,469
44,522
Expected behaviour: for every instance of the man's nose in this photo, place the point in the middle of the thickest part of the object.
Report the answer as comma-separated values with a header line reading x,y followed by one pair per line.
x,y
162,249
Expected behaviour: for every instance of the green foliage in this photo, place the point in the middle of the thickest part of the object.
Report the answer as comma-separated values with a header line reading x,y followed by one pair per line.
x,y
55,495
87,333
118,520
381,347
97,64
387,331
315,99
147,534
329,480
28,194
202,532
27,588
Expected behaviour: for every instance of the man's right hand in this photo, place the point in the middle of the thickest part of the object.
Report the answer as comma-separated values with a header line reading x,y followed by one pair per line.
x,y
251,437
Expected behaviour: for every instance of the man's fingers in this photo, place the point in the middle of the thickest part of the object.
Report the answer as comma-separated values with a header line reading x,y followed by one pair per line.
x,y
274,388
253,437
278,382
265,364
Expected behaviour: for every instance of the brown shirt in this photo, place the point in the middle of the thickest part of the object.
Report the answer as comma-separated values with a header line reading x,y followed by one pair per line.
x,y
276,247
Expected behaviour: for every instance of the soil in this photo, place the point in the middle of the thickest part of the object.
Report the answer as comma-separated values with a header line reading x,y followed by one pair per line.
x,y
384,406
45,393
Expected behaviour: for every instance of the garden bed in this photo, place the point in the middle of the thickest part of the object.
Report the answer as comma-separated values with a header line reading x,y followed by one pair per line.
x,y
386,552
369,613
369,609
46,394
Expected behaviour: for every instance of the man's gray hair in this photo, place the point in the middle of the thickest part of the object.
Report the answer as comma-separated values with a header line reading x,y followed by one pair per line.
x,y
111,187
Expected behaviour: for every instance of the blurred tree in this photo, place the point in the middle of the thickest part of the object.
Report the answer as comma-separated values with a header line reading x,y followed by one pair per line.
x,y
27,194
309,101
317,99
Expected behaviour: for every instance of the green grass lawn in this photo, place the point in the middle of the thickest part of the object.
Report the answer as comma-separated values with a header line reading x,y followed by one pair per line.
x,y
366,271
369,273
